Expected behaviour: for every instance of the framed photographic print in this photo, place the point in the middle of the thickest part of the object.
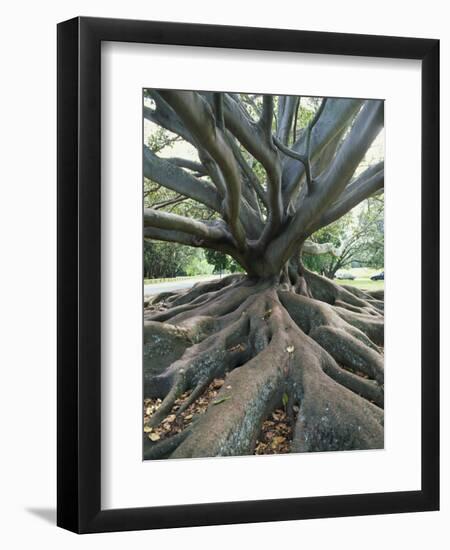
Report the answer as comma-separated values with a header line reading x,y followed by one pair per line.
x,y
230,200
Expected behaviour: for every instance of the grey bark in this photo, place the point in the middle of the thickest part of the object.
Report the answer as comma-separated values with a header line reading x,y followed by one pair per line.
x,y
309,183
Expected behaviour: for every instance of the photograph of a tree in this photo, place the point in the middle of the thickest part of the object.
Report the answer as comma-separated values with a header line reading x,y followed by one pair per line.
x,y
264,175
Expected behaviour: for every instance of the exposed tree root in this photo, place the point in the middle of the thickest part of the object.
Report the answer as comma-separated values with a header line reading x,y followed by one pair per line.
x,y
313,345
201,289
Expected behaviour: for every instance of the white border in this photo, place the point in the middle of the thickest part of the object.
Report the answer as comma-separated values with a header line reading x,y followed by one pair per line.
x,y
126,480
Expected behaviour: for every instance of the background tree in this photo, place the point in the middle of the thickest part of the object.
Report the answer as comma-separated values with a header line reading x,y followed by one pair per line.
x,y
165,260
263,182
222,262
171,260
334,234
357,237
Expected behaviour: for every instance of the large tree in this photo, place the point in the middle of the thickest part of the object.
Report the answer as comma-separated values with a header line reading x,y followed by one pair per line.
x,y
281,332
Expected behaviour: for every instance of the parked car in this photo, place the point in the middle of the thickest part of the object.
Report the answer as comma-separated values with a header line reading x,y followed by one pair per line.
x,y
378,277
344,275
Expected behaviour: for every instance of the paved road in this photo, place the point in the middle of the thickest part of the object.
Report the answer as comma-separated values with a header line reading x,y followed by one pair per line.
x,y
175,285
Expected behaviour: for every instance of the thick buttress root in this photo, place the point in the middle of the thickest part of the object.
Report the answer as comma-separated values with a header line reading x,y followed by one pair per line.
x,y
318,346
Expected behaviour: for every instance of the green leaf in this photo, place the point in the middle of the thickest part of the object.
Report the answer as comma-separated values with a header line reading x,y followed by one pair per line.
x,y
285,399
219,401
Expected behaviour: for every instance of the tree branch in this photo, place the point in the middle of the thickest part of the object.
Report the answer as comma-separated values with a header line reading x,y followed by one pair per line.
x,y
259,144
248,133
304,159
214,231
365,129
246,170
249,214
195,112
218,106
330,185
336,116
166,117
266,119
315,249
262,149
167,174
309,130
191,165
368,183
286,113
164,204
181,237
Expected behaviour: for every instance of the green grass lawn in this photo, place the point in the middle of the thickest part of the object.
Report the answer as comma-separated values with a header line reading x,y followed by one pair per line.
x,y
364,283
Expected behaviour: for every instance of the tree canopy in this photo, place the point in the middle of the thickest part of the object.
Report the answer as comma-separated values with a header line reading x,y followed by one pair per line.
x,y
264,173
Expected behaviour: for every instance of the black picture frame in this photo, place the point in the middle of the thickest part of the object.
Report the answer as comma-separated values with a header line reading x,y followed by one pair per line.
x,y
79,281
